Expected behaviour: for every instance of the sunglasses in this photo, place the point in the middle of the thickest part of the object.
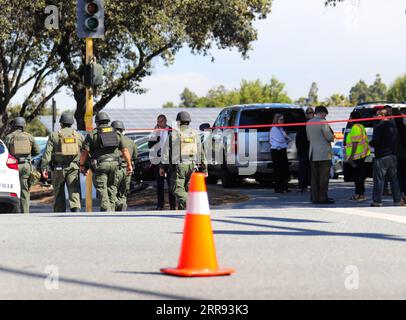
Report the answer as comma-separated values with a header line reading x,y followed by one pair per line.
x,y
310,112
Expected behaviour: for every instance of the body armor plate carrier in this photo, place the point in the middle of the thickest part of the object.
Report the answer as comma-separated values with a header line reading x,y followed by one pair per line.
x,y
188,144
21,146
108,137
69,143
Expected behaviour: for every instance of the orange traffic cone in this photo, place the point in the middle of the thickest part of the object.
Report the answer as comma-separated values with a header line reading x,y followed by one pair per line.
x,y
198,255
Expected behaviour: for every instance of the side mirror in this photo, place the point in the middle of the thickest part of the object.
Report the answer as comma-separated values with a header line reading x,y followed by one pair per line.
x,y
204,126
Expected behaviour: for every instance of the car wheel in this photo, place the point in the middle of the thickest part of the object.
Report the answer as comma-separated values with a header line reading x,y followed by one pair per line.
x,y
212,179
227,179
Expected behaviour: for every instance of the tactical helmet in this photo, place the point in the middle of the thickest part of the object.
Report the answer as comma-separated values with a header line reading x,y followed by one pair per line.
x,y
102,117
19,122
118,125
66,118
183,116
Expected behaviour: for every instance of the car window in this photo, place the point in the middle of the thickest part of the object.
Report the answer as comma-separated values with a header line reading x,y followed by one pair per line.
x,y
220,119
366,113
233,117
265,116
2,148
143,147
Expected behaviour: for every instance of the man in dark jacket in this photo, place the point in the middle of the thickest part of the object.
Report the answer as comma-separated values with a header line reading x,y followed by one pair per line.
x,y
156,143
384,141
302,145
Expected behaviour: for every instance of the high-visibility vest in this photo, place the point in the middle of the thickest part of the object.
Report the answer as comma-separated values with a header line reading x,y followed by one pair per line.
x,y
357,134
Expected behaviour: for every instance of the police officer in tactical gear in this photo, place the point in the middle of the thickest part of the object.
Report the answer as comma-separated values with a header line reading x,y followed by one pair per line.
x,y
103,146
61,156
182,156
123,181
22,146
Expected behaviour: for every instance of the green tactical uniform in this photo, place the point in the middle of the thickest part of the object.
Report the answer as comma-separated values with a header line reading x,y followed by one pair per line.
x,y
181,157
105,158
23,147
62,155
123,180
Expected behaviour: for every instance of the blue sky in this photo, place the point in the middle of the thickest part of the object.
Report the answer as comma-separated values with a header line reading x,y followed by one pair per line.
x,y
300,42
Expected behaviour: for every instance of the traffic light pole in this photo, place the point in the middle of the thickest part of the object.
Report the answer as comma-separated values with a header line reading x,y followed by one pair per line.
x,y
89,126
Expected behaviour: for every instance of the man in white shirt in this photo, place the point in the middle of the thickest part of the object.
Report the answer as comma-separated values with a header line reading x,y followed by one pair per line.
x,y
157,141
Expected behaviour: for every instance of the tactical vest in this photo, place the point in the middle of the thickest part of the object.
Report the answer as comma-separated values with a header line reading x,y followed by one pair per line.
x,y
188,144
21,146
69,143
107,137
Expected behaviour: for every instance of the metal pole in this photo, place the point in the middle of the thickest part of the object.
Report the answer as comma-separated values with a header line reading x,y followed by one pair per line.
x,y
53,114
89,126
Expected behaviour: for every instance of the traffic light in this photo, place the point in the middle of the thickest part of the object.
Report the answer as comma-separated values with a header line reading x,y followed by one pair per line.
x,y
90,18
93,75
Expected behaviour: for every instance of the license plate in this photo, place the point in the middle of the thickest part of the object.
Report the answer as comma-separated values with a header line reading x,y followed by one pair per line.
x,y
6,185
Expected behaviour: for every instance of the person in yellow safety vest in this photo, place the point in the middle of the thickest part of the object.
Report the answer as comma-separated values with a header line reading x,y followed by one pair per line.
x,y
356,151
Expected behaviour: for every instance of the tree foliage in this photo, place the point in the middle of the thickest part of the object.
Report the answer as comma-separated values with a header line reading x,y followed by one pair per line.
x,y
397,91
313,96
361,92
27,59
337,100
249,92
138,32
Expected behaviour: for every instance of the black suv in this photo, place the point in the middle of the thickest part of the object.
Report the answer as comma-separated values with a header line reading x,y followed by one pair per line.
x,y
367,110
228,149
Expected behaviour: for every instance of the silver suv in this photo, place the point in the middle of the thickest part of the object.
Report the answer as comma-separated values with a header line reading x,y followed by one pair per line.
x,y
235,153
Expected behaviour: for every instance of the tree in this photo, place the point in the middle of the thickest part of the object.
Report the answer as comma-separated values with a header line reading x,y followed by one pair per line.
x,y
274,92
139,32
35,126
313,97
332,2
338,100
188,99
251,92
28,59
359,93
397,91
169,104
378,90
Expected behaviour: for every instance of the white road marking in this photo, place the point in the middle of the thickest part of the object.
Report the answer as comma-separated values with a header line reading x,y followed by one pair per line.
x,y
368,214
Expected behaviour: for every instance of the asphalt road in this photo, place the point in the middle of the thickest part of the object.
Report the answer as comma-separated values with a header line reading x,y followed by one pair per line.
x,y
278,253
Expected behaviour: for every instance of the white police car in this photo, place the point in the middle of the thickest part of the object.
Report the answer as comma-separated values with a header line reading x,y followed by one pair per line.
x,y
9,182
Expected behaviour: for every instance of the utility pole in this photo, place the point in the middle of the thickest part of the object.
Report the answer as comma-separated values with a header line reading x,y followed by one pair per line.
x,y
89,126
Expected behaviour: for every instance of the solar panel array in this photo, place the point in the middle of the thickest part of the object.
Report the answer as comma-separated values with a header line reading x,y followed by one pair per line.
x,y
146,118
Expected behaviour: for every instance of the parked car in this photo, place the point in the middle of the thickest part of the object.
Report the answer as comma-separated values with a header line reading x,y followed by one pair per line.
x,y
142,168
136,135
367,110
36,161
229,146
9,182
